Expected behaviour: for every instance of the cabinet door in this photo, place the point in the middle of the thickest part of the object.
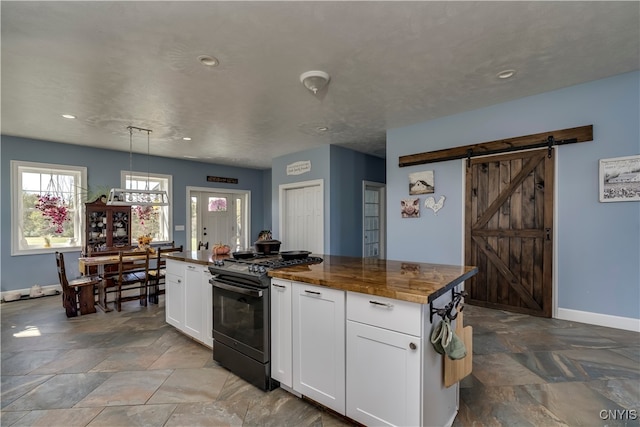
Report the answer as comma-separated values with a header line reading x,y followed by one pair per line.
x,y
207,308
95,228
119,230
383,376
281,338
193,315
319,344
174,299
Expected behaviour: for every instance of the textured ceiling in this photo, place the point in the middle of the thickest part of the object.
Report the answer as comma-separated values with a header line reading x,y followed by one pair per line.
x,y
392,64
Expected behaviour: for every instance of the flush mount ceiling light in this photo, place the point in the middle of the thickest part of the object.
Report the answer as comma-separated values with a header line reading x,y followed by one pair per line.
x,y
315,81
68,116
134,197
186,138
208,60
506,74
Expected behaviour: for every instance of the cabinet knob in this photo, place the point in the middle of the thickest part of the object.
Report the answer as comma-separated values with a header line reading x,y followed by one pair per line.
x,y
412,346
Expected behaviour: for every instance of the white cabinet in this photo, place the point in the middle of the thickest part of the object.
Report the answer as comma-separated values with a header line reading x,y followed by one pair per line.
x,y
193,298
383,361
281,332
364,356
318,320
188,300
174,293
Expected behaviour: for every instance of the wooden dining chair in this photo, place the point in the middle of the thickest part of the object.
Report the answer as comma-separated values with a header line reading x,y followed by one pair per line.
x,y
77,294
157,272
133,274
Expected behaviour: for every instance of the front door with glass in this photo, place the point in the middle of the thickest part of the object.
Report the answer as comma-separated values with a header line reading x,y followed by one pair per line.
x,y
218,218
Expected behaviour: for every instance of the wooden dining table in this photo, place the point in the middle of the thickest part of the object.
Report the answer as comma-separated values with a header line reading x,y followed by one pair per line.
x,y
85,265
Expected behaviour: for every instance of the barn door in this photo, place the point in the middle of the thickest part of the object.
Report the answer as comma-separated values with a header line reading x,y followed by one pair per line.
x,y
509,231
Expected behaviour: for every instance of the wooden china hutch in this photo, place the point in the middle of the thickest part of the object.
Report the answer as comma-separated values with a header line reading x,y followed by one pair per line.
x,y
107,228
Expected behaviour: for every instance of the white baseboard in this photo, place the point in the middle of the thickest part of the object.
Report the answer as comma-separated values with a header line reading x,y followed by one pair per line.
x,y
25,292
626,323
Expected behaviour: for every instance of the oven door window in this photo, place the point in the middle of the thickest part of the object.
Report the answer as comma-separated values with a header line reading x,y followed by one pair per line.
x,y
239,317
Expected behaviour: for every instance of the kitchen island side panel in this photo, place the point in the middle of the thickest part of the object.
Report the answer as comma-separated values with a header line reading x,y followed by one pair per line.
x,y
439,403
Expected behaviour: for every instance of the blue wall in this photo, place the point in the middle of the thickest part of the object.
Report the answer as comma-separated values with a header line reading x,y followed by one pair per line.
x,y
343,171
348,169
319,158
103,169
598,244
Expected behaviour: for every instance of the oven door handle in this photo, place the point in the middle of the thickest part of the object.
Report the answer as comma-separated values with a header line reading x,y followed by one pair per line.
x,y
232,288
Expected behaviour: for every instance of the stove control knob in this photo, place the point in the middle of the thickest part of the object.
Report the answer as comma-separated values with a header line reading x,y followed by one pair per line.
x,y
261,269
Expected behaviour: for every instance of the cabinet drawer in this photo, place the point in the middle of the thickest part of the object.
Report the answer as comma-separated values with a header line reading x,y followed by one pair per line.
x,y
388,313
175,267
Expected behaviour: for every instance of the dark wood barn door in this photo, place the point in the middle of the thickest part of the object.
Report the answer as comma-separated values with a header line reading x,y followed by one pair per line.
x,y
509,231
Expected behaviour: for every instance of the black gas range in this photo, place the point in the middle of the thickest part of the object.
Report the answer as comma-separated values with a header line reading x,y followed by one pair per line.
x,y
241,314
253,271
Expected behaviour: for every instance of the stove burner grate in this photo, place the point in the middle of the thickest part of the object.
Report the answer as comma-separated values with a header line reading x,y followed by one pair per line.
x,y
282,263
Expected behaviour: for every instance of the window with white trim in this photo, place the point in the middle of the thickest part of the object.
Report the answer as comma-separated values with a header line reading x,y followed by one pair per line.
x,y
46,207
154,221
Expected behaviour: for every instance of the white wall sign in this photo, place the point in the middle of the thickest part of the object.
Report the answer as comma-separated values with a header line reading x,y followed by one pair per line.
x,y
298,168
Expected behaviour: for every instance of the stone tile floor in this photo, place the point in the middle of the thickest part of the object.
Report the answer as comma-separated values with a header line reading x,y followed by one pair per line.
x,y
132,369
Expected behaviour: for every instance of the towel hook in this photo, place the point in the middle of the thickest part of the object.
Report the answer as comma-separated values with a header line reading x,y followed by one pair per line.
x,y
445,312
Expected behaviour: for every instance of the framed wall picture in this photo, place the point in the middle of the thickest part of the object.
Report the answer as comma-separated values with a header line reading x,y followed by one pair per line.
x,y
421,183
410,208
620,179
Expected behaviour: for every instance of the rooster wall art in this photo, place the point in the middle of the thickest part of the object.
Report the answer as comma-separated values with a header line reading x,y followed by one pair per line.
x,y
431,203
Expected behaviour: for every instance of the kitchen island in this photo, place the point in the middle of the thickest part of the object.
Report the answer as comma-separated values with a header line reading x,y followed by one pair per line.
x,y
349,333
353,335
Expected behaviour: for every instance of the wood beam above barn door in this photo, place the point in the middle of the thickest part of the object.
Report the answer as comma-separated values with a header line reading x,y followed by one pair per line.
x,y
538,140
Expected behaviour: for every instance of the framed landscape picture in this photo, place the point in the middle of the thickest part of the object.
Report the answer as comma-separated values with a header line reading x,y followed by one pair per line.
x,y
620,179
421,183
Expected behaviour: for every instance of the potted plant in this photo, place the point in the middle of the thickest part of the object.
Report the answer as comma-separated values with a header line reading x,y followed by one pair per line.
x,y
54,209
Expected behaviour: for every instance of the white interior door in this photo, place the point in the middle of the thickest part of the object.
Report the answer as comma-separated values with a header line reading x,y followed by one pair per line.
x,y
302,216
373,220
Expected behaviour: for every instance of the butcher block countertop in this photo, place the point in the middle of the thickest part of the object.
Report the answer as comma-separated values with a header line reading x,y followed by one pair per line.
x,y
204,257
408,281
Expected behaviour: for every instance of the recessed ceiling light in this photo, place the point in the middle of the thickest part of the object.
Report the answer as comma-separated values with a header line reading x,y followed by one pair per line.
x,y
208,60
189,157
68,116
505,74
322,128
186,138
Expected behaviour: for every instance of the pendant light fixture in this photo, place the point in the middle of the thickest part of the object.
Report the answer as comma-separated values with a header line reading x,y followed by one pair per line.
x,y
133,197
